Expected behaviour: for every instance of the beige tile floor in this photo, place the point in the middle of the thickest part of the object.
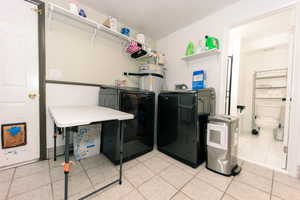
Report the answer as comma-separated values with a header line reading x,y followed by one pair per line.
x,y
267,151
153,176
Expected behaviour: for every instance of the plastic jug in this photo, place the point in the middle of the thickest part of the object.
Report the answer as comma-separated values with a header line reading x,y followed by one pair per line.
x,y
190,49
211,42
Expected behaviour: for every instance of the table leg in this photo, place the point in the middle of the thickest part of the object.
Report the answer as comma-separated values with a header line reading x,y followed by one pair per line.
x,y
67,164
121,149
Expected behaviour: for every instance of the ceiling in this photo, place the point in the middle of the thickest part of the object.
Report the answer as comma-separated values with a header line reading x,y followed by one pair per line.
x,y
158,18
275,24
265,33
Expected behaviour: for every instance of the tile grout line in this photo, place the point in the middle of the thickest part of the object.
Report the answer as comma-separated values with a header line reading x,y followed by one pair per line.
x,y
195,176
10,184
85,171
256,174
257,165
134,188
180,189
31,190
174,165
142,161
271,192
157,174
54,181
90,180
256,188
211,185
170,185
51,182
154,175
144,181
149,178
141,194
30,174
285,184
225,191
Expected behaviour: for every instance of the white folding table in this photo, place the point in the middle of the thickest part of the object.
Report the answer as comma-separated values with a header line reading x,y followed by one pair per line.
x,y
66,117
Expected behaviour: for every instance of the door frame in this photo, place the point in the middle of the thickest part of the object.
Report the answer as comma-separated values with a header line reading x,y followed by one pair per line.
x,y
291,66
42,76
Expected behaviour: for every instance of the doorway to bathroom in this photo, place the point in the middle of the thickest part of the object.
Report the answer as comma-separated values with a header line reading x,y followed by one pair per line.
x,y
259,74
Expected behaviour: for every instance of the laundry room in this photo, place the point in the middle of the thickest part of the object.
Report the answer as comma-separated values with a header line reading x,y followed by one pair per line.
x,y
149,100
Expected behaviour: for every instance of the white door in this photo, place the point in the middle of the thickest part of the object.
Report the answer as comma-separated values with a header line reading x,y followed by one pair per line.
x,y
19,81
288,96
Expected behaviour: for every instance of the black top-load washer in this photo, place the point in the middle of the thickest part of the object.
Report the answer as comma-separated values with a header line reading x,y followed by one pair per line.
x,y
182,123
138,133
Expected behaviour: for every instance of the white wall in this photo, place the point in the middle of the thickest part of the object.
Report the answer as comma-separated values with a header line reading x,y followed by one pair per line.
x,y
267,42
218,25
274,58
61,95
71,56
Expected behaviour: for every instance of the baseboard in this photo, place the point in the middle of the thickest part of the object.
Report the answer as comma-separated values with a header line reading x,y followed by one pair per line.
x,y
263,165
60,150
18,164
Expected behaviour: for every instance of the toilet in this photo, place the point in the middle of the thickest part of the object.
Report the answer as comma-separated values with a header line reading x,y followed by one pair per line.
x,y
269,117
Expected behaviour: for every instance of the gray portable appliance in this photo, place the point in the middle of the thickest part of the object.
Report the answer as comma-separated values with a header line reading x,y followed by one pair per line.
x,y
222,145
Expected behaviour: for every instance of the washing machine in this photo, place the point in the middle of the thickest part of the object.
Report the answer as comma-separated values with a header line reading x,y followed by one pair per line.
x,y
138,133
182,122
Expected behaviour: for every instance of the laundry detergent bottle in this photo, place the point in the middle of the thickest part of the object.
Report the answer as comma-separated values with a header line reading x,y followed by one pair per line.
x,y
189,49
211,42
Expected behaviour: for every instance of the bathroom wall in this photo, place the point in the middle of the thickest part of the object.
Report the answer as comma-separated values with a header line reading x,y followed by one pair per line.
x,y
263,59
